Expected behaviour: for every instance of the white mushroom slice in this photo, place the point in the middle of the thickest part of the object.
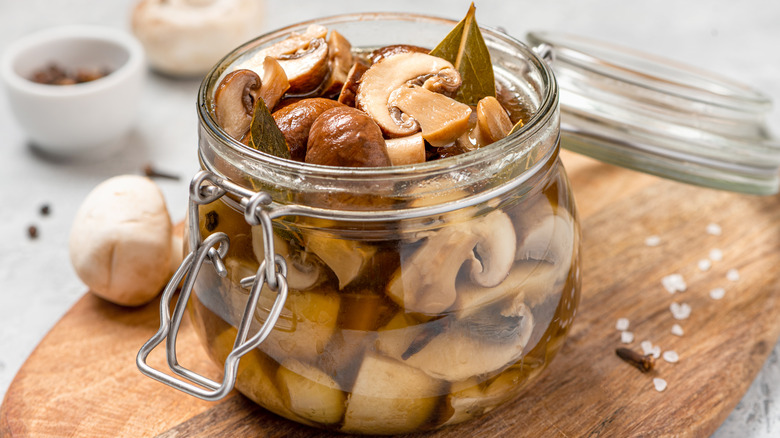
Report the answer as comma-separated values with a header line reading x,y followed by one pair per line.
x,y
386,76
425,282
303,271
531,282
275,82
390,397
406,150
310,393
234,102
306,70
442,120
304,328
462,349
551,239
346,258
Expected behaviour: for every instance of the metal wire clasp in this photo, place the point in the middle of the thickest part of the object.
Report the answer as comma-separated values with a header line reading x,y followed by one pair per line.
x,y
206,188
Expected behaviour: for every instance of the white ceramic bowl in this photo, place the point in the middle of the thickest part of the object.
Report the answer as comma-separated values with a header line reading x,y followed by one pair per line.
x,y
81,118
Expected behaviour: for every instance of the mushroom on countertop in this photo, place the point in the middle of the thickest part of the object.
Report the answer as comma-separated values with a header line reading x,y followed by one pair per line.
x,y
234,102
382,78
425,282
187,37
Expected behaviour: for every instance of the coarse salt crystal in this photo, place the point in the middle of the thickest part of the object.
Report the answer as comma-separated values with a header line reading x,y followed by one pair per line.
x,y
653,241
671,356
656,352
647,347
714,229
732,275
680,311
677,330
659,383
716,255
704,265
626,337
622,324
717,293
674,283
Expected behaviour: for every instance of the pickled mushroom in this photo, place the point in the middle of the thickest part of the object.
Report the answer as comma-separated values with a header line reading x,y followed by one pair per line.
x,y
389,397
406,150
461,349
346,258
425,282
275,82
303,270
382,78
310,393
441,119
234,102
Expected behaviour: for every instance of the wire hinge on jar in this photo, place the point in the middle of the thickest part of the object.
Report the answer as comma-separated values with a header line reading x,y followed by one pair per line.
x,y
204,189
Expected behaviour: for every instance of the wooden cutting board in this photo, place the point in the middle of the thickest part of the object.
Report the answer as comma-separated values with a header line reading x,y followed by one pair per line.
x,y
82,379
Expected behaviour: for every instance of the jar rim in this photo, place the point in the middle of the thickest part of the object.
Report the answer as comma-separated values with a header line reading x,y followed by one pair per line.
x,y
547,104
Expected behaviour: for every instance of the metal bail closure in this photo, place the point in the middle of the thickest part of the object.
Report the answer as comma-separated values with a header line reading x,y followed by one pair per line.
x,y
206,188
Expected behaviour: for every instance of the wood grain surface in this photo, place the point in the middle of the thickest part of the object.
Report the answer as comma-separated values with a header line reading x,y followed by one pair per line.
x,y
82,379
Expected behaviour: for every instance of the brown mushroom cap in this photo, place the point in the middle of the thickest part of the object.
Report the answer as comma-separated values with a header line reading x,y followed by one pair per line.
x,y
382,78
234,101
340,59
350,88
295,120
348,137
395,49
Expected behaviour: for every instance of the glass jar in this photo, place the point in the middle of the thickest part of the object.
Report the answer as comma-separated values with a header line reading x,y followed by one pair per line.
x,y
414,297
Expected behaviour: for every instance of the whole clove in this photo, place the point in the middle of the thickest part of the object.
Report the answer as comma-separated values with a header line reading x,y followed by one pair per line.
x,y
643,363
32,232
151,172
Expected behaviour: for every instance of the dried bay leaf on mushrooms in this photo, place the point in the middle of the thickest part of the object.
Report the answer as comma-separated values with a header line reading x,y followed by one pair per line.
x,y
465,48
265,135
426,281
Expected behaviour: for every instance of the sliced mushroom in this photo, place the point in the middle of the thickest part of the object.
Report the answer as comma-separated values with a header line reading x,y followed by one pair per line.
x,y
340,59
350,88
293,43
442,119
390,397
346,258
310,392
425,282
493,123
275,82
382,78
395,49
406,150
303,270
307,69
295,120
234,102
552,239
348,137
462,349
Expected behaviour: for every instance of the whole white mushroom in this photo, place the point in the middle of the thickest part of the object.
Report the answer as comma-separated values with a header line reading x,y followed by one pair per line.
x,y
120,243
187,37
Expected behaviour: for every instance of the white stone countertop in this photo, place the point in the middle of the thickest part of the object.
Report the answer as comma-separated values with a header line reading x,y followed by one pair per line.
x,y
37,284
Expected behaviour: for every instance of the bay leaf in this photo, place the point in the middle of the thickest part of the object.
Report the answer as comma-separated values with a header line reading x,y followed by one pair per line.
x,y
465,48
265,136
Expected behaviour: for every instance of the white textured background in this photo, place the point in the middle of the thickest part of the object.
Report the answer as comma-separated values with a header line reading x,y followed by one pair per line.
x,y
740,40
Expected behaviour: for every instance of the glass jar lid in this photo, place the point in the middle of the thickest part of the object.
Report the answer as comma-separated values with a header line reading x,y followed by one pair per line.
x,y
651,114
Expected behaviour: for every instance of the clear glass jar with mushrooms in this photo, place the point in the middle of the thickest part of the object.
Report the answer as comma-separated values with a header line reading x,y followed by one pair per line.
x,y
462,280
